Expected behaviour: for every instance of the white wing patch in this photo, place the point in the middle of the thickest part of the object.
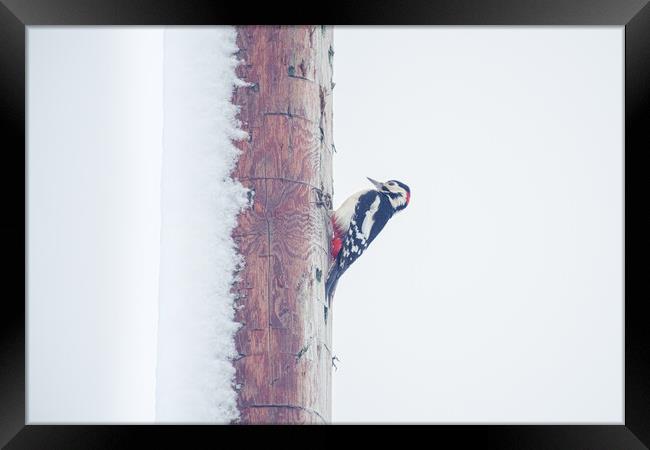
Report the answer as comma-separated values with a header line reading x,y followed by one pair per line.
x,y
368,221
343,215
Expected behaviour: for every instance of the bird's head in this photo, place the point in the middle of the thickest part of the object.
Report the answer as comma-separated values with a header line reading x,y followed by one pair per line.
x,y
397,192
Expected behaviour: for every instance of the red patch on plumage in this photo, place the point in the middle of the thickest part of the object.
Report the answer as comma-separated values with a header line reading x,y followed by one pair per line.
x,y
337,243
408,198
337,240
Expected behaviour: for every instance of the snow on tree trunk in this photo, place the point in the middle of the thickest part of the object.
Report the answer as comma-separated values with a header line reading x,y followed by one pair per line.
x,y
283,371
200,203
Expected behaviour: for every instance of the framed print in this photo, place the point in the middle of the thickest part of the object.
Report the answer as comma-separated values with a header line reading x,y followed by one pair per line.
x,y
416,215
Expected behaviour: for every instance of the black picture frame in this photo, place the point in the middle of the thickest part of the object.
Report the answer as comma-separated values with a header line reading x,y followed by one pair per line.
x,y
16,15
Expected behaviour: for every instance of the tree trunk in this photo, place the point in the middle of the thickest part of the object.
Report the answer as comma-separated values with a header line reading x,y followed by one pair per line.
x,y
283,371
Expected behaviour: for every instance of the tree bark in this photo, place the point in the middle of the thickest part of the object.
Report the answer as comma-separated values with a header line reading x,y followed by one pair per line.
x,y
283,371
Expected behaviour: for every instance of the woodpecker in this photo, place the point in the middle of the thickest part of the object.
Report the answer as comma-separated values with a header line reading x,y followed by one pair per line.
x,y
358,221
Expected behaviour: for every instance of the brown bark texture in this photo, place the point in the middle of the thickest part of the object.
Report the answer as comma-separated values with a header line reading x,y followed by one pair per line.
x,y
283,371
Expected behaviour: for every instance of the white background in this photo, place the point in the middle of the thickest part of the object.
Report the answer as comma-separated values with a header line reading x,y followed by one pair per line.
x,y
94,153
495,296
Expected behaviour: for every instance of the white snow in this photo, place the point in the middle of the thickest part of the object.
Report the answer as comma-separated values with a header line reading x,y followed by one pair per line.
x,y
199,207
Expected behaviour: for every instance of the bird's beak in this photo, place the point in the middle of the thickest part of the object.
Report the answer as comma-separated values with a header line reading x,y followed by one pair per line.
x,y
377,184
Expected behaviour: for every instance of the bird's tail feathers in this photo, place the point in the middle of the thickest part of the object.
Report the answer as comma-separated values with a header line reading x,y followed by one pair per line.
x,y
332,281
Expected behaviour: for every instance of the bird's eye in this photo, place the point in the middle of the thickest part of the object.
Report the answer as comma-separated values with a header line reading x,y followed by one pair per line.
x,y
391,183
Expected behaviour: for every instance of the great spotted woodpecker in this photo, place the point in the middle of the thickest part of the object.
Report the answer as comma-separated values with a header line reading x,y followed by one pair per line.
x,y
358,221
